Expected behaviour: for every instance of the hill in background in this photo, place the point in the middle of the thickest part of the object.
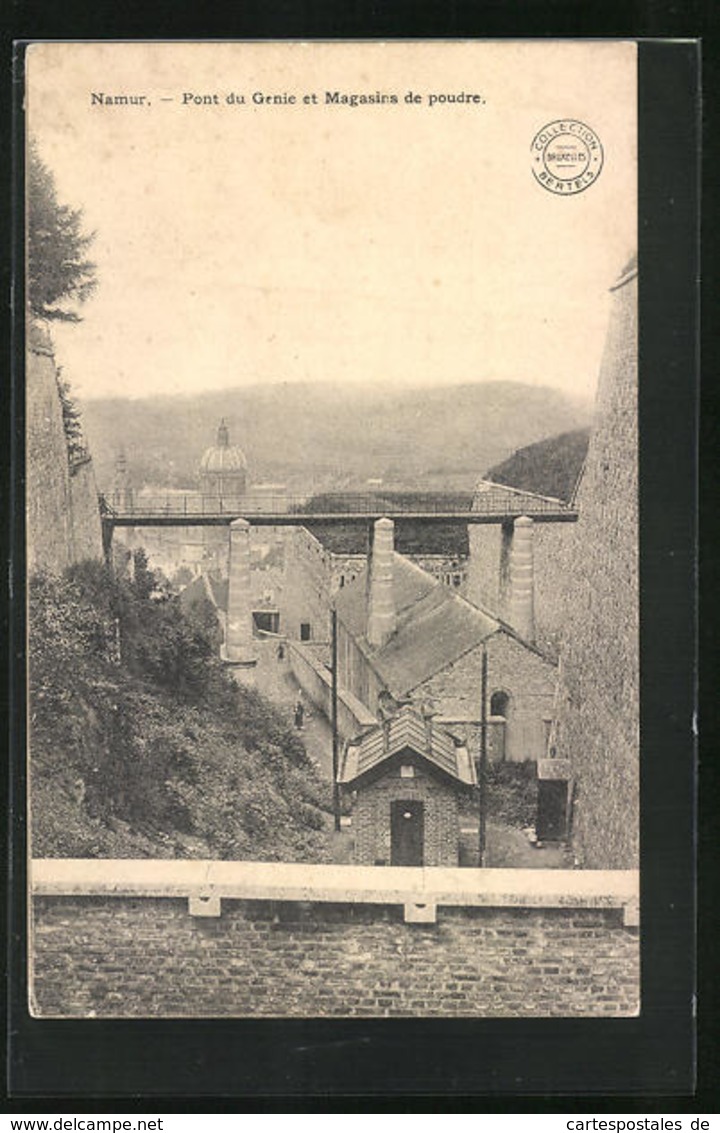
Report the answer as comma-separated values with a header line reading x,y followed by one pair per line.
x,y
317,437
550,467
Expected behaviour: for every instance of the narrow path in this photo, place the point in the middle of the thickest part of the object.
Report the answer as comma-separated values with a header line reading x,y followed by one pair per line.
x,y
274,679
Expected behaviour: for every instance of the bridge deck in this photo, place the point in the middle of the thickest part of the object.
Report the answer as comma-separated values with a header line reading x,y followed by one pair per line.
x,y
306,519
193,511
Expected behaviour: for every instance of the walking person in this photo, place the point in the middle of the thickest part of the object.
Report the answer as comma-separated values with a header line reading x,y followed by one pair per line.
x,y
299,713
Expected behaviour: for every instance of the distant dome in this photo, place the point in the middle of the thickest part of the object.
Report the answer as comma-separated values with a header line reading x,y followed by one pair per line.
x,y
223,467
222,456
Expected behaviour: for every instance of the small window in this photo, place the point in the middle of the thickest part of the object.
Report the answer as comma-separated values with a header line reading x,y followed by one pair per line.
x,y
499,704
407,771
266,622
305,631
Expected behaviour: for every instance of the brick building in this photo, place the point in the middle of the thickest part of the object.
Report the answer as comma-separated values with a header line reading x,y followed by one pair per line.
x,y
404,636
406,777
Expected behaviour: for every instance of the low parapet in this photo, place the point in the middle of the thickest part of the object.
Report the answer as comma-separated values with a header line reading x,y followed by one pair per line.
x,y
205,884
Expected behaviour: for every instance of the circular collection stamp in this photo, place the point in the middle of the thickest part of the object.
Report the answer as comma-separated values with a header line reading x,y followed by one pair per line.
x,y
567,156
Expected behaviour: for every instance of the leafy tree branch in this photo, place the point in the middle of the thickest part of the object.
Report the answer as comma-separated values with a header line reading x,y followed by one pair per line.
x,y
60,276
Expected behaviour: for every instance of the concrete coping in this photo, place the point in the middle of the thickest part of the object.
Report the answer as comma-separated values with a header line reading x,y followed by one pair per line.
x,y
279,881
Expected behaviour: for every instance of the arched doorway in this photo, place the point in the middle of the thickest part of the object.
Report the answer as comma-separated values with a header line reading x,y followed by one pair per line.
x,y
498,730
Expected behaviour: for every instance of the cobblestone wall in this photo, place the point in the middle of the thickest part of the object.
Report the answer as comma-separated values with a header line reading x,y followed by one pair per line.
x,y
139,957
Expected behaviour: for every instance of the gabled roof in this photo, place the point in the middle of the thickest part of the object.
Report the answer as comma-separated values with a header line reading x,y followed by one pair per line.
x,y
435,626
408,731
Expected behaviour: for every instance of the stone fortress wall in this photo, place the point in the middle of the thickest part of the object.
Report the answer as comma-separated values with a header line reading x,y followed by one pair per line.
x,y
63,519
597,708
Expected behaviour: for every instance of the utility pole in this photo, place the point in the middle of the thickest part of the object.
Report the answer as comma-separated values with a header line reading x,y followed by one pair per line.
x,y
482,770
334,721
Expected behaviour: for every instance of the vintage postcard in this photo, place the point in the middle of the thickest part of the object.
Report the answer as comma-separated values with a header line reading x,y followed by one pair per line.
x,y
331,403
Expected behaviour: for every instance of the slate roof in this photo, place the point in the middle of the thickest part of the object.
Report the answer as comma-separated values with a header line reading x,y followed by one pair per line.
x,y
435,626
408,730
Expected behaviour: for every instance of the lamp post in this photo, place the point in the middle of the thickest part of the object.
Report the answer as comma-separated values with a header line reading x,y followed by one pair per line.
x,y
334,718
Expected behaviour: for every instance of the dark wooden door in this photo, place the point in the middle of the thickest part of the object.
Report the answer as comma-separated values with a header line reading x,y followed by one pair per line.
x,y
552,809
407,831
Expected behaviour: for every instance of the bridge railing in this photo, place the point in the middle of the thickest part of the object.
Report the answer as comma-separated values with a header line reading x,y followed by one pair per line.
x,y
490,503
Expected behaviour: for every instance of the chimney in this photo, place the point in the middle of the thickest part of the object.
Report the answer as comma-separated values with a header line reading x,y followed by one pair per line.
x,y
381,620
522,603
239,636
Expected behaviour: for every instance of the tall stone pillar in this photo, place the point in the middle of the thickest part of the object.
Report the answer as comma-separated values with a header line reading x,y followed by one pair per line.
x,y
382,618
522,583
239,643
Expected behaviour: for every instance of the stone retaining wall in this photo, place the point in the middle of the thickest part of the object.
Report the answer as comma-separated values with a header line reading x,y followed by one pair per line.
x,y
315,680
126,956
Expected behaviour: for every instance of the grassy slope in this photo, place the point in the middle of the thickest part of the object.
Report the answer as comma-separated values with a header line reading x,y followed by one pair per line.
x,y
154,753
550,467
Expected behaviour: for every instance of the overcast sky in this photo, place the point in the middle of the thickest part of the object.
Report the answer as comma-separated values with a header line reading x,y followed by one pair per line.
x,y
400,244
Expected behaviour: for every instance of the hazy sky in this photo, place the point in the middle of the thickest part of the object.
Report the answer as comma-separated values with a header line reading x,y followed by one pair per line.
x,y
402,244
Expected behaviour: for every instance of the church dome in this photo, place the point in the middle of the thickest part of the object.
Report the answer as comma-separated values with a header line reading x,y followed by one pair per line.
x,y
222,456
223,467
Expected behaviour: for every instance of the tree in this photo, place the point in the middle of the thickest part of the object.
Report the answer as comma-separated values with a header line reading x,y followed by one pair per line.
x,y
59,274
72,421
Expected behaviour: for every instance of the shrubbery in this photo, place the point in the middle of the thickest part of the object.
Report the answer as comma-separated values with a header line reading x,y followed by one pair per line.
x,y
550,467
142,746
512,793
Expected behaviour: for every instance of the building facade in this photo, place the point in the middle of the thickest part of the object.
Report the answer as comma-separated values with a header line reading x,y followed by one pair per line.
x,y
404,637
406,778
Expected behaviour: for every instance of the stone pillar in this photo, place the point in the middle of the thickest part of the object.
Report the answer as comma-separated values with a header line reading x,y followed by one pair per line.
x,y
381,597
239,645
522,612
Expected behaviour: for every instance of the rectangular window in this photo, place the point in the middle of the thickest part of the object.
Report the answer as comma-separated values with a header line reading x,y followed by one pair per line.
x,y
266,621
305,631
